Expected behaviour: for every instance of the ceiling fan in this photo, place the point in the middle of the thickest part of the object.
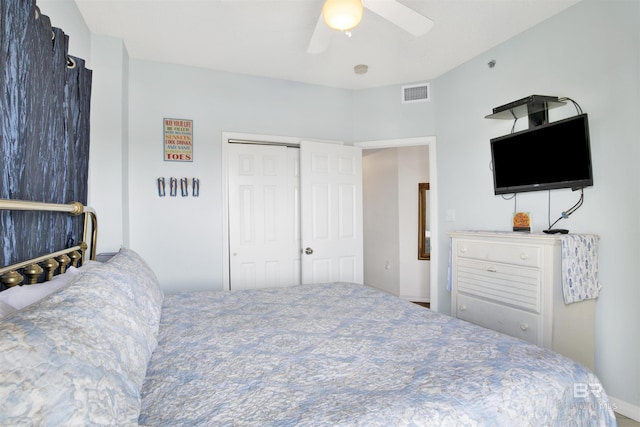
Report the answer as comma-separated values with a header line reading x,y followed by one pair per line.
x,y
345,15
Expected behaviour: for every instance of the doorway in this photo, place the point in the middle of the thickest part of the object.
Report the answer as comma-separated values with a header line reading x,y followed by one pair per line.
x,y
404,272
395,258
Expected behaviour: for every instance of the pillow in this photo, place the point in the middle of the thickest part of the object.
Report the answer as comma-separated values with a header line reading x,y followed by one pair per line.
x,y
78,357
6,309
19,297
128,271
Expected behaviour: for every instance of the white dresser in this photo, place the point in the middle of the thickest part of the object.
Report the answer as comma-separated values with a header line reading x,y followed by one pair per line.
x,y
512,283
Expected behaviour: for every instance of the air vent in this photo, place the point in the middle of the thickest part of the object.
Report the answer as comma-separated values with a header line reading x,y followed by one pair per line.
x,y
415,93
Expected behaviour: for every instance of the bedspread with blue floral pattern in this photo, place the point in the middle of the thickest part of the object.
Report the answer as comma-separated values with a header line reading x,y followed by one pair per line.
x,y
345,354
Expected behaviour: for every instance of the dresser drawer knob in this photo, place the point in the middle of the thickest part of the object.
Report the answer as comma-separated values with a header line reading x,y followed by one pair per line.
x,y
524,326
492,269
462,307
524,256
463,249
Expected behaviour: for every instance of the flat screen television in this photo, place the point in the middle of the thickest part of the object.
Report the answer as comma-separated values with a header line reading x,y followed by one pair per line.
x,y
547,157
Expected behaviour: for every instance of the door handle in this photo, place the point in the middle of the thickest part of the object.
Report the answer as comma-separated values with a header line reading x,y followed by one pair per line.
x,y
308,251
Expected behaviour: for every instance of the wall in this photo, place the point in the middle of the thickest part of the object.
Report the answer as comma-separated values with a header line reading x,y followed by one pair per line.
x,y
181,238
390,193
379,114
380,202
413,168
598,66
108,180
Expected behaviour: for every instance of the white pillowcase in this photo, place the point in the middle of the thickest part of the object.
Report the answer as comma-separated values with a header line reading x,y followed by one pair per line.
x,y
19,297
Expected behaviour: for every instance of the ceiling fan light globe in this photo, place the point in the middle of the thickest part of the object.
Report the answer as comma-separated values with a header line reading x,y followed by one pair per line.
x,y
342,15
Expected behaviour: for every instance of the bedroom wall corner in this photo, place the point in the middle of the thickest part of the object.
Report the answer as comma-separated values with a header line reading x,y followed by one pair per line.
x,y
108,172
380,114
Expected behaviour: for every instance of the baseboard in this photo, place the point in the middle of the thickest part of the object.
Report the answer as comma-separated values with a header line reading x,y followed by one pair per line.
x,y
626,409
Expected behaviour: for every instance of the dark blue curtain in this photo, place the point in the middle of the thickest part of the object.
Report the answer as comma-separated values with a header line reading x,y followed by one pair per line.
x,y
44,133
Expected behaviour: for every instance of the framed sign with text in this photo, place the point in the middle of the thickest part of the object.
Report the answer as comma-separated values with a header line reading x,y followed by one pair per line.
x,y
178,140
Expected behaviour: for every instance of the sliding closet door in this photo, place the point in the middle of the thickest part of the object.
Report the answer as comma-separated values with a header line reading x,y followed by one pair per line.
x,y
331,213
264,236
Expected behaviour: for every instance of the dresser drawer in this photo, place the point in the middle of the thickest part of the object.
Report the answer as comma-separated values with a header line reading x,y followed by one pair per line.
x,y
513,285
507,320
507,253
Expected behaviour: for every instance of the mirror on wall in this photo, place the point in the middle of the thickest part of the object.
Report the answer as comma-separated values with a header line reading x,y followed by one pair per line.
x,y
424,233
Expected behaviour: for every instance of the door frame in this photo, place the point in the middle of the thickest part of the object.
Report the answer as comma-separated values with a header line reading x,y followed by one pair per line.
x,y
433,199
249,137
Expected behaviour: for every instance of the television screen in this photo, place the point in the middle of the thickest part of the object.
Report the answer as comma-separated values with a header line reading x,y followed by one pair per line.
x,y
546,157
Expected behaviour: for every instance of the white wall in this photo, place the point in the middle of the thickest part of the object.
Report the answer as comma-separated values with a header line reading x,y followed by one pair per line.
x,y
379,114
413,168
181,238
390,199
380,203
591,53
108,174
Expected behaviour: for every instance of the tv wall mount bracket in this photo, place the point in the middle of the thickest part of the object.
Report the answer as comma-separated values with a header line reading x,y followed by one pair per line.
x,y
536,107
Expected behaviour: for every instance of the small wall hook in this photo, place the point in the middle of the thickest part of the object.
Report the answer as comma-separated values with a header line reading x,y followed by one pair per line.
x,y
184,186
160,182
195,190
173,187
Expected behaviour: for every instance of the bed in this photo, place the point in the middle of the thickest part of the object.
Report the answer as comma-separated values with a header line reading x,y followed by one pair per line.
x,y
107,347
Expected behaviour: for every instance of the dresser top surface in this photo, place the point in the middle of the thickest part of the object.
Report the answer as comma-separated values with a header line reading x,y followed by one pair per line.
x,y
506,235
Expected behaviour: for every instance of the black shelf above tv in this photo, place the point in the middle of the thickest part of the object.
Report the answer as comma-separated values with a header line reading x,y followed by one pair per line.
x,y
536,107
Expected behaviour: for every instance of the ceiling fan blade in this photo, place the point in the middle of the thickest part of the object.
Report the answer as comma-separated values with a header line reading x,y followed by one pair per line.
x,y
320,38
399,14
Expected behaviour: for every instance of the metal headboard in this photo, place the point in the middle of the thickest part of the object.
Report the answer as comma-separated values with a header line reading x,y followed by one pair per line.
x,y
33,268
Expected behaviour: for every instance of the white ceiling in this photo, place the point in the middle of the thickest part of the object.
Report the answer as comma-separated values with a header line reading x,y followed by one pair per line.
x,y
269,37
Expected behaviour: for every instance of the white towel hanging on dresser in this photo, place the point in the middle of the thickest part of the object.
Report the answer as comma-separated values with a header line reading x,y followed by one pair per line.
x,y
580,267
